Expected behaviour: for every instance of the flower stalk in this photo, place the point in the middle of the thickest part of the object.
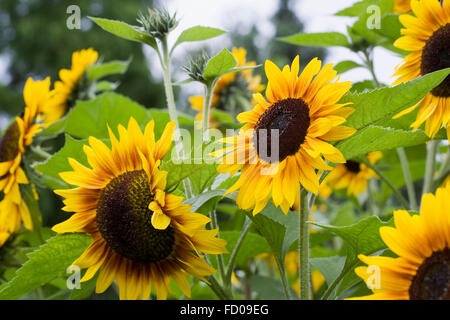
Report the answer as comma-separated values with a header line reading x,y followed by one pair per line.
x,y
303,247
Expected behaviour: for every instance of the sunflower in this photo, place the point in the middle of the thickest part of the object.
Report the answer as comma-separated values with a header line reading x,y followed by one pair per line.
x,y
402,6
71,85
142,235
422,243
305,112
17,137
427,35
243,81
352,175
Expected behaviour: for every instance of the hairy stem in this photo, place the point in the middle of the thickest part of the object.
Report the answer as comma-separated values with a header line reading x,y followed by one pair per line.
x,y
303,247
408,179
430,166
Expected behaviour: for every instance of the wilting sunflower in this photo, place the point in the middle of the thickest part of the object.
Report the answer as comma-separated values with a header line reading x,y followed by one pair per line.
x,y
305,112
242,83
427,34
17,137
142,235
402,6
71,84
352,175
422,243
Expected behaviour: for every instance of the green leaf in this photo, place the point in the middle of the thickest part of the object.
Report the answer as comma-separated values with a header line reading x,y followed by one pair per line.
x,y
198,33
100,70
360,8
125,31
201,199
48,262
92,118
252,246
86,289
345,66
381,104
329,267
325,39
267,288
106,86
375,138
362,237
219,65
390,26
59,163
55,128
272,231
201,174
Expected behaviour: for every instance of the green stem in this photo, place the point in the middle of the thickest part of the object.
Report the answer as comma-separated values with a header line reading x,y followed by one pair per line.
x,y
35,213
217,288
408,179
389,183
369,64
165,60
443,171
209,89
283,277
220,262
303,247
338,279
430,166
233,256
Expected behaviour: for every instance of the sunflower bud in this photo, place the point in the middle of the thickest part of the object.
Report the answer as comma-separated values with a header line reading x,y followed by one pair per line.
x,y
197,66
157,23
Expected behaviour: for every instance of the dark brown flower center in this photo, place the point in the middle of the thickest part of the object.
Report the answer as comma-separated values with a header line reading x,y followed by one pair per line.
x,y
9,145
353,166
432,280
124,220
436,56
291,118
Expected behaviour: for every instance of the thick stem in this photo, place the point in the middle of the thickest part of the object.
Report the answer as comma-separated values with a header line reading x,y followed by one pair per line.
x,y
303,247
233,256
173,110
389,183
209,89
430,166
217,288
408,179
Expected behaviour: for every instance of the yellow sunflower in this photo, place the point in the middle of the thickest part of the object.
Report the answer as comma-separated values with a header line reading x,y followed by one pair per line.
x,y
402,6
66,90
252,84
427,35
142,235
304,110
17,137
422,243
352,175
